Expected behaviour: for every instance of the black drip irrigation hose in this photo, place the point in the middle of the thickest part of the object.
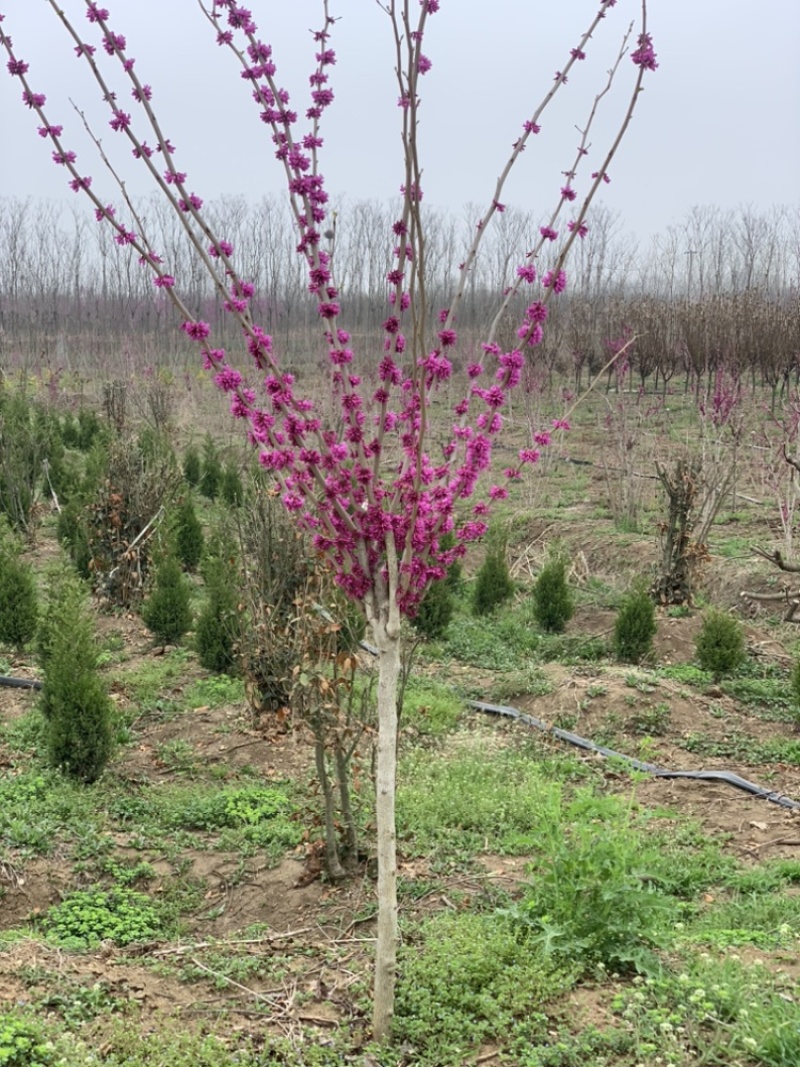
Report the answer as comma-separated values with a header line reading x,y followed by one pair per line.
x,y
638,765
19,683
563,735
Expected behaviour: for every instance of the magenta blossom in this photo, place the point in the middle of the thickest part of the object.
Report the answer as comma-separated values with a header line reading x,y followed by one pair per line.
x,y
644,56
558,283
197,331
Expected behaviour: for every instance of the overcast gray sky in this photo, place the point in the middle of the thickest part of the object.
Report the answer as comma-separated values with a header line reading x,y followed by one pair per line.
x,y
719,121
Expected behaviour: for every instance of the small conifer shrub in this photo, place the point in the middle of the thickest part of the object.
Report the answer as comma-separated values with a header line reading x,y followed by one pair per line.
x,y
167,611
720,643
231,488
188,535
74,701
455,572
635,626
553,602
493,584
211,478
435,610
192,467
218,623
18,599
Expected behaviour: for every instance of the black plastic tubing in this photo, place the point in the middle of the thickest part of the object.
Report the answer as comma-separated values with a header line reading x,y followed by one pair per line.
x,y
19,683
637,764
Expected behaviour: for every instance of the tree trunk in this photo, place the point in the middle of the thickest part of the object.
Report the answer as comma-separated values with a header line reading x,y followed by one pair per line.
x,y
332,864
386,634
345,803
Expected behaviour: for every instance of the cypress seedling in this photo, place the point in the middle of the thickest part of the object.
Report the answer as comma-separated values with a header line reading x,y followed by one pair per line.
x,y
18,599
795,692
217,624
231,488
720,644
192,467
188,535
493,584
435,610
211,478
74,701
553,603
167,611
635,626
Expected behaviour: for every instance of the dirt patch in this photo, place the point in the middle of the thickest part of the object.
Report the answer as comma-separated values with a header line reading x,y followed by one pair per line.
x,y
30,887
663,722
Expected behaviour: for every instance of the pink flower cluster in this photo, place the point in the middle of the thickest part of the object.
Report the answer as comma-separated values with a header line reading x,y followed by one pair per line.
x,y
346,482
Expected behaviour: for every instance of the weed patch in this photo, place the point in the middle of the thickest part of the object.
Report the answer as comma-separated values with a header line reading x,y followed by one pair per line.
x,y
465,979
37,809
734,1014
429,707
215,692
152,685
247,817
742,747
23,1042
473,802
592,899
493,643
87,917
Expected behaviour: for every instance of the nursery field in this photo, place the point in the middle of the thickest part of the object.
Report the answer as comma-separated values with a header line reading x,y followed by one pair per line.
x,y
559,908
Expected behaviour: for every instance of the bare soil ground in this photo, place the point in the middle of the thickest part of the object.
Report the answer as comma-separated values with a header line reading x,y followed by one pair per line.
x,y
303,945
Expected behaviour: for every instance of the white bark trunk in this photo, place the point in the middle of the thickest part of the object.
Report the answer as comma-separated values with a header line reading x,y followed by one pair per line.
x,y
386,634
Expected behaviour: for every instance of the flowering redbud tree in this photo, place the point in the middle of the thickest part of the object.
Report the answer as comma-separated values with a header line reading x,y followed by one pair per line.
x,y
364,485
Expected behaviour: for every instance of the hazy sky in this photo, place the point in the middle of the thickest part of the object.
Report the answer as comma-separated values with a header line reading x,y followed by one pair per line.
x,y
719,121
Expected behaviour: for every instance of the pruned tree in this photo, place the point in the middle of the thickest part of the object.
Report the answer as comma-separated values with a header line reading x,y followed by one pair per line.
x,y
360,475
681,552
787,595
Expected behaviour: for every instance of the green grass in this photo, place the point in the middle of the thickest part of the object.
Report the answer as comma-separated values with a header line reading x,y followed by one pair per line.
x,y
764,689
465,979
474,801
742,747
154,686
87,917
510,641
495,643
40,809
730,1013
214,692
430,708
247,817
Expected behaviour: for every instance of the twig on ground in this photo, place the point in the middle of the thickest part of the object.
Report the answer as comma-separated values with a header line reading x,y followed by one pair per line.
x,y
181,949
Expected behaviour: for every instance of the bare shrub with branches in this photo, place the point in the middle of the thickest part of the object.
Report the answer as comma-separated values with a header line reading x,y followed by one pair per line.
x,y
682,554
333,694
787,595
274,570
140,479
297,644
